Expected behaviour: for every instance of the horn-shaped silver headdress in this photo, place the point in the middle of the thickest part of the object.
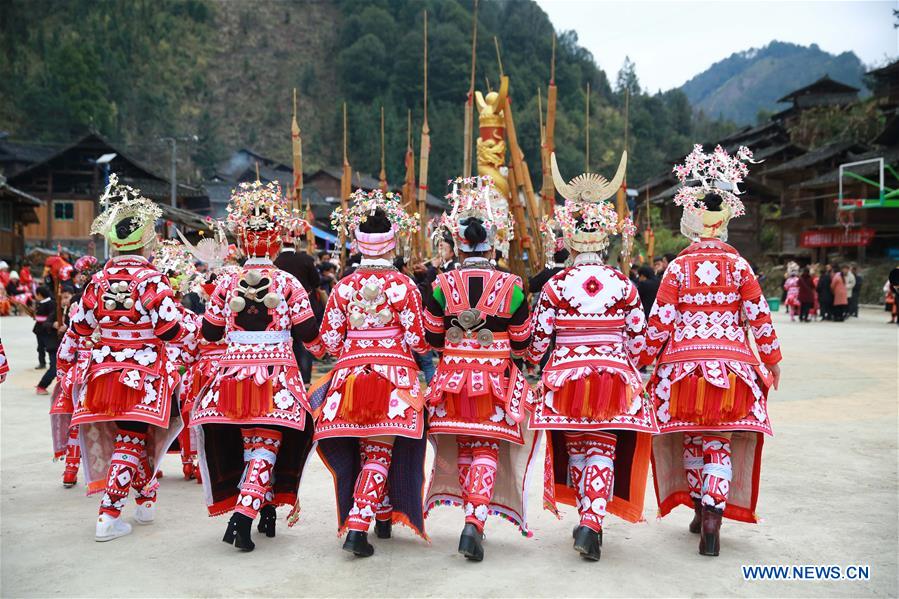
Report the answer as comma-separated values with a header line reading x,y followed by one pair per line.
x,y
589,187
587,219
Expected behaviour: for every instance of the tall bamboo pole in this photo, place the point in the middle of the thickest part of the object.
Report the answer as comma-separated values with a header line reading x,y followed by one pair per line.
x,y
549,190
346,185
544,157
522,176
409,162
516,254
621,194
469,102
424,152
587,132
383,174
649,235
297,144
310,234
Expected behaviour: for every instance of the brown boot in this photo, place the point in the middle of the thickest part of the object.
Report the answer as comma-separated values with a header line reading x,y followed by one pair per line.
x,y
709,542
696,524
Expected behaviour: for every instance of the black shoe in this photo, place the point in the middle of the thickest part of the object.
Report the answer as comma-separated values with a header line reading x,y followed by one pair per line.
x,y
238,532
383,529
41,367
357,544
267,518
470,543
587,543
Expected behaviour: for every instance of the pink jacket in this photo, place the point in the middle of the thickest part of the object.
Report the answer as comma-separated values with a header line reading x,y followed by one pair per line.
x,y
838,286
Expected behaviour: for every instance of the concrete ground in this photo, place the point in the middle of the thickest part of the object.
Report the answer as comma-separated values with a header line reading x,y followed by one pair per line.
x,y
828,497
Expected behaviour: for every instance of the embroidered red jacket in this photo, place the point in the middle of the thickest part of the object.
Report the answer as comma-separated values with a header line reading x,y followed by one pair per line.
x,y
134,308
466,364
374,318
708,299
4,365
259,345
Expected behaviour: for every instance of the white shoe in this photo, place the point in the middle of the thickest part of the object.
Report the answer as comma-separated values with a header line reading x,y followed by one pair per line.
x,y
145,513
109,528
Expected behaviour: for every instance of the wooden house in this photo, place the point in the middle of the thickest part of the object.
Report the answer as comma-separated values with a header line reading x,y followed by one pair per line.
x,y
17,209
70,180
804,184
884,84
804,207
822,93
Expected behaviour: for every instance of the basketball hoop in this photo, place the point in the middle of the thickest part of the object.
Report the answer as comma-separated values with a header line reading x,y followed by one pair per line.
x,y
846,218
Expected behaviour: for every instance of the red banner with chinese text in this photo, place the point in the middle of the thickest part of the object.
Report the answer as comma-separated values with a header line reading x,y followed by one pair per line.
x,y
836,237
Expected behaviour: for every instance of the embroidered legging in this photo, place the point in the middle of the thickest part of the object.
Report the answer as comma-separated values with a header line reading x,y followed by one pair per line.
x,y
73,451
260,451
129,467
707,467
477,463
716,471
371,484
591,468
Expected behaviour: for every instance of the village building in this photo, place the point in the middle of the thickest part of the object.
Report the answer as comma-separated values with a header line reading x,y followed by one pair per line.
x,y
17,210
817,211
69,181
822,93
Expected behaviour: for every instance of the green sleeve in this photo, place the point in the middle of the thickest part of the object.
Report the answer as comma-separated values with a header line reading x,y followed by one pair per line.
x,y
438,295
517,298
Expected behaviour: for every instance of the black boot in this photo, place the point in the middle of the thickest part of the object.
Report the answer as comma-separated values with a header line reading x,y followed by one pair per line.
x,y
470,543
383,528
577,528
267,518
357,544
587,542
709,540
238,532
696,524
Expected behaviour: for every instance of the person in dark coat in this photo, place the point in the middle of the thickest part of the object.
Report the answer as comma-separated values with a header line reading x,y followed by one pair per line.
x,y
352,265
536,283
328,271
806,294
45,331
856,291
825,295
302,266
647,287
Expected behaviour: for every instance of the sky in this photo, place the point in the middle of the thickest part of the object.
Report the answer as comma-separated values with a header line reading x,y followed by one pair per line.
x,y
670,41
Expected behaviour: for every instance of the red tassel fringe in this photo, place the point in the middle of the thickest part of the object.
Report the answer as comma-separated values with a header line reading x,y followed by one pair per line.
x,y
598,396
469,408
693,399
106,395
240,400
366,398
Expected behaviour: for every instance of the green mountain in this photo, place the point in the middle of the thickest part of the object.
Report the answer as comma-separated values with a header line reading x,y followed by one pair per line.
x,y
744,83
224,69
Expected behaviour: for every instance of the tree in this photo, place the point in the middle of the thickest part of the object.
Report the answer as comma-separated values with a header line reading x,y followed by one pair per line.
x,y
361,83
627,78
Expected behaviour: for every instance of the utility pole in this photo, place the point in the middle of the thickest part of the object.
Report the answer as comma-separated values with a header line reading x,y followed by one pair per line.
x,y
174,176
